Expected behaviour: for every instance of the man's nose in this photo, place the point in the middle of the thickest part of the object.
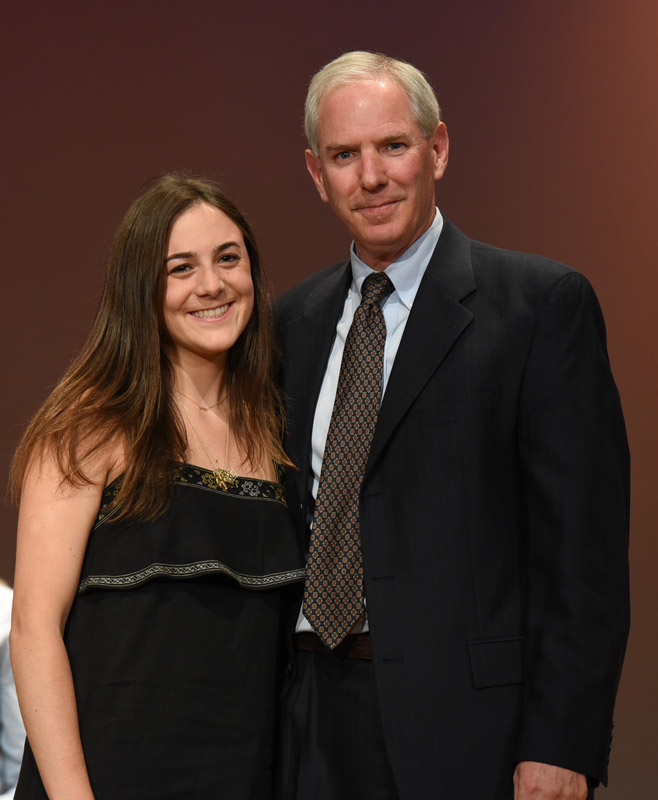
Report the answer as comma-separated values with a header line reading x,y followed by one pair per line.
x,y
373,171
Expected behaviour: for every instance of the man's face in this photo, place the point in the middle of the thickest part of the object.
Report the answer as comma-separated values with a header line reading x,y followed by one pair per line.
x,y
375,168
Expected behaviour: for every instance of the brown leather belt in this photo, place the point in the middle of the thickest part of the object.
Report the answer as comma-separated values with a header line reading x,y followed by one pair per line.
x,y
354,645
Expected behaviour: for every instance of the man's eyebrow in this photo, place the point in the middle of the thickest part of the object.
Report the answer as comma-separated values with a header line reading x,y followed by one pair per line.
x,y
219,249
338,148
398,136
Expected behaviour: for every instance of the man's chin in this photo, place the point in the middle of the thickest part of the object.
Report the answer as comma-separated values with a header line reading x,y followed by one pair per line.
x,y
385,233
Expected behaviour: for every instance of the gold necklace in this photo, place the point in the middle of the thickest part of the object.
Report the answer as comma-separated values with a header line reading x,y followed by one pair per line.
x,y
201,408
224,478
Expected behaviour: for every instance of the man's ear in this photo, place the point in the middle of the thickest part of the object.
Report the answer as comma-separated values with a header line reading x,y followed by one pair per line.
x,y
314,168
440,146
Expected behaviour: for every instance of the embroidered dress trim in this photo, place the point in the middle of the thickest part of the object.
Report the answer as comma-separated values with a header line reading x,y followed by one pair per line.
x,y
211,567
201,478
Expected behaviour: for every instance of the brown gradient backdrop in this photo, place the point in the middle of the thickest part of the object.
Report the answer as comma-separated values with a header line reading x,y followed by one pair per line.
x,y
553,115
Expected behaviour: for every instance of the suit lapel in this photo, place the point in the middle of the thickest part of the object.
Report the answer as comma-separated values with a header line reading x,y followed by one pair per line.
x,y
310,337
436,321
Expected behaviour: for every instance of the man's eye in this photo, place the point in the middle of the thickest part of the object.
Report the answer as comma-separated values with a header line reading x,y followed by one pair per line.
x,y
344,156
396,146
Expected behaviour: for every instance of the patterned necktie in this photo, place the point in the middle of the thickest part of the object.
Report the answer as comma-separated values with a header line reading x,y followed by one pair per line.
x,y
333,594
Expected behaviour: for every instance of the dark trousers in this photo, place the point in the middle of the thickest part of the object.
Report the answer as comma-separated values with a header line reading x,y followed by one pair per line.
x,y
332,746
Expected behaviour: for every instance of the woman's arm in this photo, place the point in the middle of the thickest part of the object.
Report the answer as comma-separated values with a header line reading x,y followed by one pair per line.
x,y
53,528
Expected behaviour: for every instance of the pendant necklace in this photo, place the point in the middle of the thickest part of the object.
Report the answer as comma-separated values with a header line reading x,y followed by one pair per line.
x,y
200,407
224,478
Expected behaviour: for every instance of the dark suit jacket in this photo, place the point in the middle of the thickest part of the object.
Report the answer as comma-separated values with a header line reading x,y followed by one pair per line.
x,y
494,516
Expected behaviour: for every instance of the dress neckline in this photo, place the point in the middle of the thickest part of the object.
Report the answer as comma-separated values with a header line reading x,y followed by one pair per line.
x,y
202,478
182,465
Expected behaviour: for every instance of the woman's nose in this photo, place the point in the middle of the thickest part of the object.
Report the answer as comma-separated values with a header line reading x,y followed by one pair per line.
x,y
210,280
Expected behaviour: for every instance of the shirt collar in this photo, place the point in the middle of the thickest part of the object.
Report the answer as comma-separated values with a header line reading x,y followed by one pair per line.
x,y
407,271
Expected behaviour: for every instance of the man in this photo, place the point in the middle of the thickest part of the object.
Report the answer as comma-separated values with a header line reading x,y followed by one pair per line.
x,y
466,609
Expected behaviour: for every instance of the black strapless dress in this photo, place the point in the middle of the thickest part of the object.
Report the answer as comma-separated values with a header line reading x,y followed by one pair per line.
x,y
174,639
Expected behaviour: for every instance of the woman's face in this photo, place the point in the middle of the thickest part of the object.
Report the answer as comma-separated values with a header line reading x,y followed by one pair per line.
x,y
209,294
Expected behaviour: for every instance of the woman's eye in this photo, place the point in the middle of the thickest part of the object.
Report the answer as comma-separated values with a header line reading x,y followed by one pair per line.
x,y
179,269
228,258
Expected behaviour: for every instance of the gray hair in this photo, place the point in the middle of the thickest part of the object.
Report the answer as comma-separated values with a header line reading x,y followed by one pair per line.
x,y
361,65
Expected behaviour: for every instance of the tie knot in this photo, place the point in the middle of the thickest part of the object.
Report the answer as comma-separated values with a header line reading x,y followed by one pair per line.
x,y
376,287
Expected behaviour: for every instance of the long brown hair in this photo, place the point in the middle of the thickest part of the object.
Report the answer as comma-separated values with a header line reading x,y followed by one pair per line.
x,y
120,385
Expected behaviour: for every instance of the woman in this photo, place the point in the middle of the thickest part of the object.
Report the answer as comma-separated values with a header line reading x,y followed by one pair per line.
x,y
146,607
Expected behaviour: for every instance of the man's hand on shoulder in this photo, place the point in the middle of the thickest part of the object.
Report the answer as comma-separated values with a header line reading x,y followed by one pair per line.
x,y
535,781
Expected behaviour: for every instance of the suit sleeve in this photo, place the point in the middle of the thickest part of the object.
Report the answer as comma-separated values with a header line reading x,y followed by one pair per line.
x,y
575,471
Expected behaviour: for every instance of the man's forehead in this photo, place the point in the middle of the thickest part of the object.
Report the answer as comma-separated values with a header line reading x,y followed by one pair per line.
x,y
361,90
365,108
